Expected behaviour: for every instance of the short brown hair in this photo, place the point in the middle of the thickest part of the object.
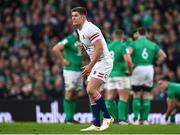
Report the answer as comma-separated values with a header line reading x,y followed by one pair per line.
x,y
119,32
80,10
142,31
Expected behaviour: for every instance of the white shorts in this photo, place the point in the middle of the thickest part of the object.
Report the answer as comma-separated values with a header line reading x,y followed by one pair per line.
x,y
101,70
142,75
119,83
73,80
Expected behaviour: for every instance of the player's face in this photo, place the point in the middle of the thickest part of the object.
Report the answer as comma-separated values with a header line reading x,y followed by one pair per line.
x,y
77,19
135,35
162,85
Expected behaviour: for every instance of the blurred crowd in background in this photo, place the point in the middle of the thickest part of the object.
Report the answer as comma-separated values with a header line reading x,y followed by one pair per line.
x,y
30,28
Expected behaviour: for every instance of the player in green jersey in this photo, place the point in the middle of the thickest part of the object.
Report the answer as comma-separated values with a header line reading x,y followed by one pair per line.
x,y
67,52
173,96
119,83
144,53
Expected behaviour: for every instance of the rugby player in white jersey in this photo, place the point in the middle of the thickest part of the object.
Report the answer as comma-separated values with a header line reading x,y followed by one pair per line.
x,y
99,68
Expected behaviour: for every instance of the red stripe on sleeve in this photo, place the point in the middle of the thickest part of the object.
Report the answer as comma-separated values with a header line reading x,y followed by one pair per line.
x,y
93,36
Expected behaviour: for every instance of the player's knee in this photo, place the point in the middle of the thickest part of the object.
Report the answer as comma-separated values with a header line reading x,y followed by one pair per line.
x,y
69,94
110,97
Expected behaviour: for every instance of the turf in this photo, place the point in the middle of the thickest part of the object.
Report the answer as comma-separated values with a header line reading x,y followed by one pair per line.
x,y
34,128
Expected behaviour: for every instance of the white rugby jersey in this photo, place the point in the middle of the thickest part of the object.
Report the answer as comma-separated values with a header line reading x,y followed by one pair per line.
x,y
88,35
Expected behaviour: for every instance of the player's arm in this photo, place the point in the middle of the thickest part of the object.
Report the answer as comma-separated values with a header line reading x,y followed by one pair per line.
x,y
130,50
58,53
171,105
93,33
129,63
98,50
161,56
127,59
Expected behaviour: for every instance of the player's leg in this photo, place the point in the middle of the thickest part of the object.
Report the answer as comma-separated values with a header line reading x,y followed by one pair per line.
x,y
123,94
146,105
110,99
146,97
95,96
173,114
136,103
171,106
97,77
137,79
110,102
69,103
93,86
123,106
80,88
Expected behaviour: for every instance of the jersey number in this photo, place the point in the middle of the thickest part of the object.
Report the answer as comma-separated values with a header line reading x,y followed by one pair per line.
x,y
145,54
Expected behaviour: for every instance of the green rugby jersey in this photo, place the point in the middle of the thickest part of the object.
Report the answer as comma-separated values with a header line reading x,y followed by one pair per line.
x,y
144,51
173,91
71,53
117,50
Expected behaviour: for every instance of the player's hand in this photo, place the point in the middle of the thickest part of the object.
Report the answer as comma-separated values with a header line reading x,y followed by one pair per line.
x,y
80,47
65,62
86,70
128,73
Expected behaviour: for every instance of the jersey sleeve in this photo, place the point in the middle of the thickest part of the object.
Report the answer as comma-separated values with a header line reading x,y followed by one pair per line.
x,y
124,50
93,33
66,41
170,93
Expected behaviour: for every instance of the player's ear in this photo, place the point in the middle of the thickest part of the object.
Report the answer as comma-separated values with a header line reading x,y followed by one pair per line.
x,y
84,17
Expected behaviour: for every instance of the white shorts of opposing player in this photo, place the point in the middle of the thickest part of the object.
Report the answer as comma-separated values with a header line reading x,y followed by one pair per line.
x,y
142,75
73,80
119,83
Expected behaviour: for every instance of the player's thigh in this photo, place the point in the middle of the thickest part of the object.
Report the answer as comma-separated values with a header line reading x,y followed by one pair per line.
x,y
111,86
119,83
101,71
93,85
142,75
148,82
137,77
72,79
146,95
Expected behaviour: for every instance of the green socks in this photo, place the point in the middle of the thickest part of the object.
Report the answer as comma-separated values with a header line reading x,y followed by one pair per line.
x,y
122,110
112,108
172,118
69,109
146,105
136,107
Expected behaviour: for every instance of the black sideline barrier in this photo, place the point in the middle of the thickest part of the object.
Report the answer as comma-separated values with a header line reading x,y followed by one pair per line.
x,y
52,111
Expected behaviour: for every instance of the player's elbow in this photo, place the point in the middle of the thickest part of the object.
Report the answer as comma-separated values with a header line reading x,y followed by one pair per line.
x,y
162,56
56,49
128,59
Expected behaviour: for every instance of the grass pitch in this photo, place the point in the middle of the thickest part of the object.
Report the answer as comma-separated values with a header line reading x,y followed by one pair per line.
x,y
34,128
